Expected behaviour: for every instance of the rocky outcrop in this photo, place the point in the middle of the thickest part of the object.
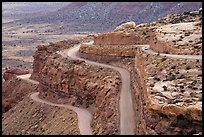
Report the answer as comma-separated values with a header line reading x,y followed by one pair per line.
x,y
127,25
181,34
140,36
185,37
63,80
141,94
180,18
117,38
11,73
108,50
44,51
161,46
167,98
164,98
189,112
108,47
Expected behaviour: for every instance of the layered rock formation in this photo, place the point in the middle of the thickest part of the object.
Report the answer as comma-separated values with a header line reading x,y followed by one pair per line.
x,y
167,93
43,51
108,50
138,36
117,38
177,114
175,34
172,93
63,80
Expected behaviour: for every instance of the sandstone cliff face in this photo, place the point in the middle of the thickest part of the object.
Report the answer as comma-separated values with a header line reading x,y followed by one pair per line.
x,y
116,38
113,44
161,46
139,36
143,97
64,80
154,122
43,51
108,50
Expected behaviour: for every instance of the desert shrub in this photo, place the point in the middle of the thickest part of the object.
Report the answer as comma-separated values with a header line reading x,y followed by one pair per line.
x,y
188,67
163,59
165,88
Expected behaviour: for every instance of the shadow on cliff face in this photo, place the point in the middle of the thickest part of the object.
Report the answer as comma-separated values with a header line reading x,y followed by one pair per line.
x,y
182,126
13,91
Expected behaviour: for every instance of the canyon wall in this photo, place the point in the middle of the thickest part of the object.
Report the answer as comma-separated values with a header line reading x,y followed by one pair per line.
x,y
191,112
161,46
114,44
63,80
137,37
44,51
107,50
116,38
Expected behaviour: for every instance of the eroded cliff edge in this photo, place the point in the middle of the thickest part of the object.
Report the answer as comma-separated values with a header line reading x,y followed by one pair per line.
x,y
167,99
64,80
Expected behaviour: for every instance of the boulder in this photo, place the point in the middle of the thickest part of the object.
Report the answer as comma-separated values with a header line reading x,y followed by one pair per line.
x,y
11,73
127,25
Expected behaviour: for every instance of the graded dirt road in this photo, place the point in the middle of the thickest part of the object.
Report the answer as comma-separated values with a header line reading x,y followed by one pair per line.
x,y
127,121
127,116
84,116
146,48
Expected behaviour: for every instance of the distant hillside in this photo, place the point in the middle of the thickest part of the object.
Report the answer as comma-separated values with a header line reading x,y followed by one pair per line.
x,y
26,9
104,16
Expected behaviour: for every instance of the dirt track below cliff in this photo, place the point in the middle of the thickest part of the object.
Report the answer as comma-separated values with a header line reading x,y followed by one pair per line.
x,y
127,121
84,116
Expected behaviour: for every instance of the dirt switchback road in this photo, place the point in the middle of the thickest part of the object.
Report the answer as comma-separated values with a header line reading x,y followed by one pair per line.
x,y
127,120
84,116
